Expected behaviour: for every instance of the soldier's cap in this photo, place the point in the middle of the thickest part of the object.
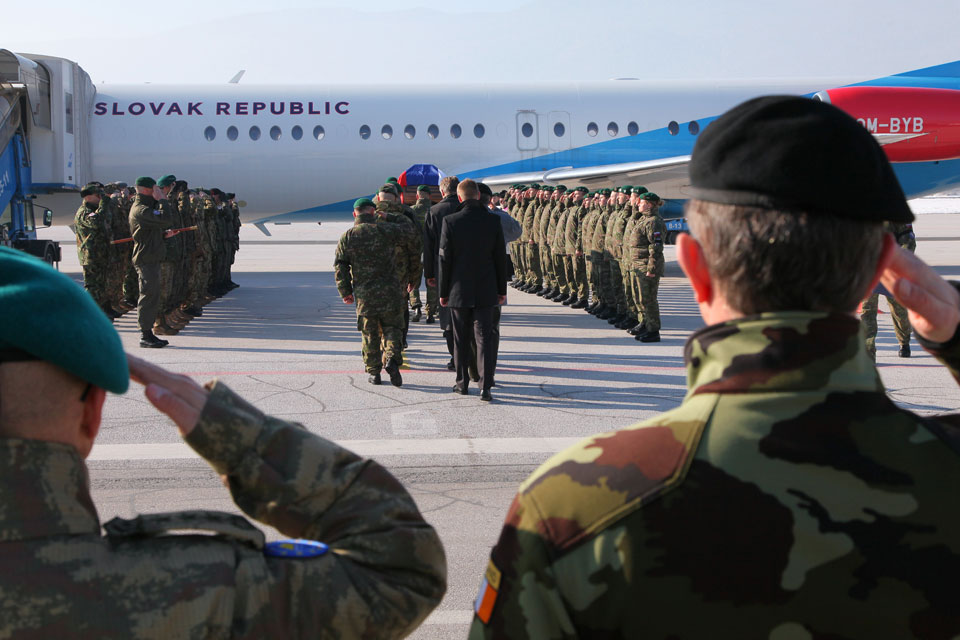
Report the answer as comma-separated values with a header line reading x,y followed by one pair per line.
x,y
582,189
768,151
625,190
230,196
561,188
363,203
393,180
535,186
180,185
146,181
423,189
121,185
47,316
546,188
216,192
607,192
649,195
89,189
389,188
166,180
109,188
485,189
639,190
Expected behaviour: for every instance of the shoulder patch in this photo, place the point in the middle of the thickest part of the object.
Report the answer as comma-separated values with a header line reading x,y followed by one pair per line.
x,y
487,597
585,489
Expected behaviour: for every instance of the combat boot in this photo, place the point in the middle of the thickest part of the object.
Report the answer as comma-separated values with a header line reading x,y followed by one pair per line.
x,y
904,351
374,378
578,304
545,292
616,318
150,341
629,323
536,289
430,318
419,314
638,329
649,336
567,300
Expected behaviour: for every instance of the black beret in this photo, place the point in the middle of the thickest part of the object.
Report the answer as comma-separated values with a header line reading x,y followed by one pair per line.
x,y
796,154
485,189
90,189
216,192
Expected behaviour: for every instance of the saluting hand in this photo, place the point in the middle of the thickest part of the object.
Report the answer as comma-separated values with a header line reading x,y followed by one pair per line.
x,y
179,397
933,304
348,299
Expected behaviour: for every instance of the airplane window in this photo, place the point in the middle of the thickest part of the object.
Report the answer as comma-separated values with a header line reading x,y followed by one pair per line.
x,y
593,129
232,133
318,132
386,132
633,128
673,128
526,129
364,132
254,132
210,133
613,129
479,130
559,129
693,127
433,132
410,132
275,132
296,133
455,131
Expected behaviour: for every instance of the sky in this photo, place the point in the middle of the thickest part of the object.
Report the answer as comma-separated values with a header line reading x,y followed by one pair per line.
x,y
525,41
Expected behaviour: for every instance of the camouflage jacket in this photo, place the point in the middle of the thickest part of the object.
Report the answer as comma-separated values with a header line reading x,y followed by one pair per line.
x,y
604,219
173,245
93,229
383,573
119,228
588,227
365,265
148,222
409,248
786,497
645,243
572,230
526,220
554,231
613,243
420,211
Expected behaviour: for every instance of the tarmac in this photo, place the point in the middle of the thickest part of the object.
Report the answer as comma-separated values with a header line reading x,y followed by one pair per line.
x,y
286,342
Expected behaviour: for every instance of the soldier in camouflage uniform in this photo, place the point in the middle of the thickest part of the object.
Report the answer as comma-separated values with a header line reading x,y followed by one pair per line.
x,y
574,262
420,211
168,322
558,246
646,247
150,225
901,323
367,273
614,249
126,274
787,496
190,574
92,223
409,262
601,265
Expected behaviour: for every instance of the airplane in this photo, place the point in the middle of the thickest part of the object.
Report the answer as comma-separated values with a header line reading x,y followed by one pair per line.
x,y
303,153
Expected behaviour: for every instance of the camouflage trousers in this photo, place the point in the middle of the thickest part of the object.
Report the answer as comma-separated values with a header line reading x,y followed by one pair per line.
x,y
576,268
601,267
534,274
630,290
382,339
96,280
615,284
519,258
546,265
868,316
199,279
432,306
413,298
648,287
594,263
131,283
168,280
560,273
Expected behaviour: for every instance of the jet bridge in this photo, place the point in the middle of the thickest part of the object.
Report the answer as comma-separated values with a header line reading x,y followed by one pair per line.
x,y
56,109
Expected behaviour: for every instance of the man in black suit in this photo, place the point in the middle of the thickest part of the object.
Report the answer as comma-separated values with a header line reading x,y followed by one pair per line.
x,y
431,249
472,282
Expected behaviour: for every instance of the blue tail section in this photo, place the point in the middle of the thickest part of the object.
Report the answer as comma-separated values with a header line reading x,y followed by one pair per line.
x,y
948,70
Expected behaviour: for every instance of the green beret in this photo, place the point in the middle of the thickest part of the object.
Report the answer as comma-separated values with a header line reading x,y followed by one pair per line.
x,y
607,192
534,186
363,203
639,190
50,317
89,189
167,180
561,188
423,189
652,197
582,189
146,181
547,188
393,180
389,188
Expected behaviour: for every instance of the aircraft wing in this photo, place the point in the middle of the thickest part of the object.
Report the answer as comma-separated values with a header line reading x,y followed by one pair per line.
x,y
667,177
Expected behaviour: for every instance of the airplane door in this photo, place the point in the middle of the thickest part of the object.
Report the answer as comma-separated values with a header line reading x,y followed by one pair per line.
x,y
528,133
559,131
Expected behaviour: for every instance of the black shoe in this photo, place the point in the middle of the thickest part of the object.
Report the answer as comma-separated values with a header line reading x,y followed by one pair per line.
x,y
545,293
637,330
419,314
232,285
394,372
605,313
485,395
578,304
650,336
130,303
457,389
374,378
404,345
904,351
537,289
451,366
474,377
629,323
150,341
110,312
430,319
567,301
616,318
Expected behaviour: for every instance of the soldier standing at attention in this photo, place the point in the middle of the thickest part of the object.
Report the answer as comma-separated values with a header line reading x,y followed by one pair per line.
x,y
367,274
150,225
420,211
367,564
648,265
903,233
93,247
787,496
170,265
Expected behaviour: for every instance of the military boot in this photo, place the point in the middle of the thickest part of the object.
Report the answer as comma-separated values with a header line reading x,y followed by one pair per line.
x,y
417,316
374,378
904,351
430,318
649,336
150,341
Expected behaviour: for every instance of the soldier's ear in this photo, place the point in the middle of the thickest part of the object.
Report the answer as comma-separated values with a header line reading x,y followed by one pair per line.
x,y
694,265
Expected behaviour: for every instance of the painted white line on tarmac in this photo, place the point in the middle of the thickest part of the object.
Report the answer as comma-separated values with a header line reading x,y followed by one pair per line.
x,y
366,448
450,616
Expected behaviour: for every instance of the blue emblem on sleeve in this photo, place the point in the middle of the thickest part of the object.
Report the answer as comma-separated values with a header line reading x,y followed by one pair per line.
x,y
295,549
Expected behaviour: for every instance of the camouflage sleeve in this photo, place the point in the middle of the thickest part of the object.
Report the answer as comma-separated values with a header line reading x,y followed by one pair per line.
x,y
341,269
519,596
385,570
656,232
412,244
